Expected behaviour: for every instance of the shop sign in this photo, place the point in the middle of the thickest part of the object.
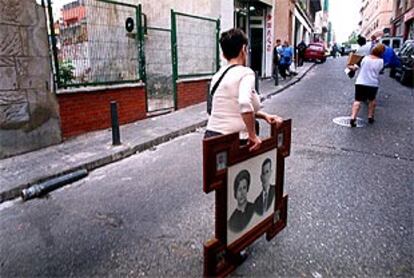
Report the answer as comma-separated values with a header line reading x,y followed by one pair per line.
x,y
269,33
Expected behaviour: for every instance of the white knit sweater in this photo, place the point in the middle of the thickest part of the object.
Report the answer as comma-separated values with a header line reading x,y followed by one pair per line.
x,y
235,95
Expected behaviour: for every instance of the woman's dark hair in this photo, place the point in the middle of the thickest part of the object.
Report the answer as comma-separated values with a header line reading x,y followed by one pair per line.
x,y
361,40
242,175
231,42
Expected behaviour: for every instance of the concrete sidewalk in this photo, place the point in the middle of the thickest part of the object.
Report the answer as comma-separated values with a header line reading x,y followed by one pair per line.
x,y
95,149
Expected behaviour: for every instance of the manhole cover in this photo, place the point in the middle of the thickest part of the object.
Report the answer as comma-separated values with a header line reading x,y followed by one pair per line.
x,y
344,121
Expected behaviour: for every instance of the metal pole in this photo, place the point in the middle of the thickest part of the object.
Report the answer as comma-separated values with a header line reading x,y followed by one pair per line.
x,y
174,56
249,36
53,41
256,81
217,45
140,44
116,138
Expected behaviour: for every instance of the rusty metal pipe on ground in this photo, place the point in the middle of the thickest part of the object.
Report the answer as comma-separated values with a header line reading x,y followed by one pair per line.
x,y
45,187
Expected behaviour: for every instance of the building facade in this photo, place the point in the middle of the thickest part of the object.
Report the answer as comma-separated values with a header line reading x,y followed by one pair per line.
x,y
256,18
29,117
262,20
295,20
375,17
322,23
402,20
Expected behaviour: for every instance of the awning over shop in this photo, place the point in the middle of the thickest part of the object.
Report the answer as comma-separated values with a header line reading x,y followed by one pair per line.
x,y
317,6
266,2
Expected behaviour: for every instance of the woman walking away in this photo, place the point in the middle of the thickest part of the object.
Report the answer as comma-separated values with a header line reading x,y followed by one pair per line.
x,y
367,82
236,104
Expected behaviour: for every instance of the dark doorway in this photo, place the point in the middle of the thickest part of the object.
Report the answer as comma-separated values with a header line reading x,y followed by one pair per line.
x,y
241,20
256,49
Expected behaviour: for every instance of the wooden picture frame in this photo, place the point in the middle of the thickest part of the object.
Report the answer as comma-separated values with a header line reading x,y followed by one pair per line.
x,y
221,155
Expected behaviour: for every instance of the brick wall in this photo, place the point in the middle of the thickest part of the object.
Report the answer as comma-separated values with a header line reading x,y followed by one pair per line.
x,y
283,20
82,112
191,92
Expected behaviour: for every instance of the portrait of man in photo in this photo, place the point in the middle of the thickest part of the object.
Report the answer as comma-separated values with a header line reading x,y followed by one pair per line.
x,y
243,213
266,197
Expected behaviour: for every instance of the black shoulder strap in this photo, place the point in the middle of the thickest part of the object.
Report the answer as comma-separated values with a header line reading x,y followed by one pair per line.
x,y
221,77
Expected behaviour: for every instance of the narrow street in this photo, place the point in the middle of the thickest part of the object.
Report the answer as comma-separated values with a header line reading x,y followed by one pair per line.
x,y
350,200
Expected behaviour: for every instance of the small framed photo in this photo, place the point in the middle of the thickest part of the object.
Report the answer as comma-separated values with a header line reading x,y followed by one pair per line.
x,y
221,161
280,138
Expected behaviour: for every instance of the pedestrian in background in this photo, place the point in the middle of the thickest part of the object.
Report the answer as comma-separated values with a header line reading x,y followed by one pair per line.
x,y
301,48
364,49
374,41
391,60
367,83
334,50
286,58
275,61
236,104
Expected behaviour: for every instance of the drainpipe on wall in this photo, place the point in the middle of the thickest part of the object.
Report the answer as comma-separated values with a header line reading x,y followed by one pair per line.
x,y
249,35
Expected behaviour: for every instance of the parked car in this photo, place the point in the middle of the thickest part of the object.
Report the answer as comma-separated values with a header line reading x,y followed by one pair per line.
x,y
393,42
315,52
405,73
345,50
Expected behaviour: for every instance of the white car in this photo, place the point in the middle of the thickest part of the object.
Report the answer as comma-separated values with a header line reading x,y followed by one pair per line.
x,y
393,42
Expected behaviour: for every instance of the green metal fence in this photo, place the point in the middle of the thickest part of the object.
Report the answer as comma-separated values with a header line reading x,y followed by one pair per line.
x,y
159,77
97,42
195,42
102,42
194,46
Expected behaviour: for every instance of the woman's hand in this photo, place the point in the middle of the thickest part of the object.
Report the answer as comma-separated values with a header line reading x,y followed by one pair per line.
x,y
271,119
353,67
254,142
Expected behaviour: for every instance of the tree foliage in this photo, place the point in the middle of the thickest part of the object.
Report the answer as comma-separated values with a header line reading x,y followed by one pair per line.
x,y
66,70
352,39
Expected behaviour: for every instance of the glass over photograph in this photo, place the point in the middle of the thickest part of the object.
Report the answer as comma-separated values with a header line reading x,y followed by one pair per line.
x,y
250,194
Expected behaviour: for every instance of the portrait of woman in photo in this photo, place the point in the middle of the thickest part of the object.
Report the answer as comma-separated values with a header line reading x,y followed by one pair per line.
x,y
243,213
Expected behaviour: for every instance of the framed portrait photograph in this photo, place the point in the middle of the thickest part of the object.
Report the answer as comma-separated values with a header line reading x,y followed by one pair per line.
x,y
251,194
249,197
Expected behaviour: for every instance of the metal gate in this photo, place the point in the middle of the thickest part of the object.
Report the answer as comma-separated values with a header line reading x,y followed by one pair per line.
x,y
97,42
196,45
188,50
158,69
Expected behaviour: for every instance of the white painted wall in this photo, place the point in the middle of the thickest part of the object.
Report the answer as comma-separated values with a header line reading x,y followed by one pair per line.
x,y
226,14
269,41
